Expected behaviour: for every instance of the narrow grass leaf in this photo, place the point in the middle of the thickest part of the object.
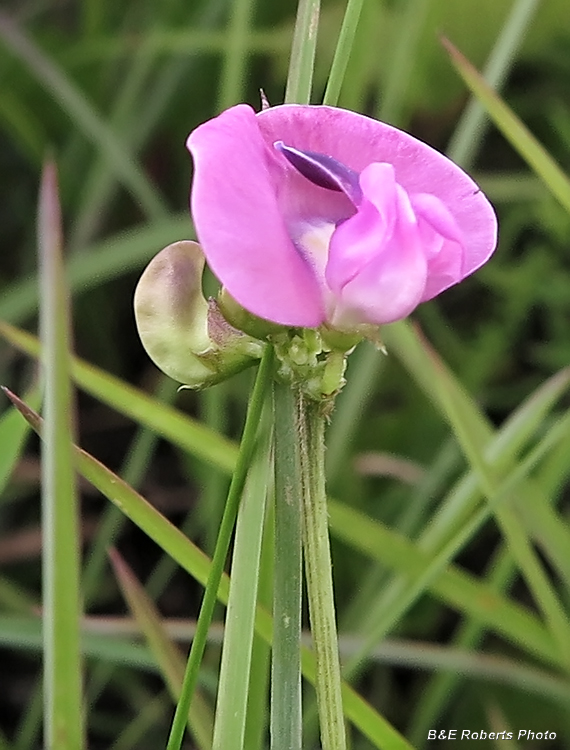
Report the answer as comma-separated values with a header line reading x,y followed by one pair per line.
x,y
512,128
476,665
170,423
13,436
84,116
523,422
63,719
342,51
513,530
501,570
236,53
499,449
548,528
399,597
133,470
402,60
453,586
470,129
258,709
98,264
100,182
24,633
302,60
473,433
234,679
168,657
406,341
402,592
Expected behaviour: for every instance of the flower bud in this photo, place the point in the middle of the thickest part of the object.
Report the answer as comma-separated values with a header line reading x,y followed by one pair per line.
x,y
243,320
185,335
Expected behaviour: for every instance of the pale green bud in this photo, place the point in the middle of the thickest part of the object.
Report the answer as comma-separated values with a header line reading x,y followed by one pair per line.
x,y
184,335
245,321
306,360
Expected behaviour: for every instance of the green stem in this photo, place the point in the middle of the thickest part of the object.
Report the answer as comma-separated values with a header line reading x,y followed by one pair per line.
x,y
318,572
286,719
220,553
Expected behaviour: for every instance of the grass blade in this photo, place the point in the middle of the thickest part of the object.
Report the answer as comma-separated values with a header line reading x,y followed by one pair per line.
x,y
184,431
13,435
470,128
473,434
512,128
166,653
342,51
302,61
236,53
84,116
63,720
99,263
233,686
453,586
258,719
391,104
509,523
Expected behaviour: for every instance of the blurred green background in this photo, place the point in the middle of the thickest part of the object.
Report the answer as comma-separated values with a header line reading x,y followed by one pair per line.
x,y
111,90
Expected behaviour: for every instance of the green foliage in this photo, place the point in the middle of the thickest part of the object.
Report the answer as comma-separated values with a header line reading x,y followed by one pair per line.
x,y
448,459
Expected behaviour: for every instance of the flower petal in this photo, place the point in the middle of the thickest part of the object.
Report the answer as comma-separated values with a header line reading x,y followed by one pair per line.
x,y
323,171
361,237
377,268
241,226
442,242
357,141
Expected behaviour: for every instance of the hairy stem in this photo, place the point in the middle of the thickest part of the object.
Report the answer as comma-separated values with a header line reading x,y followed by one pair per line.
x,y
318,572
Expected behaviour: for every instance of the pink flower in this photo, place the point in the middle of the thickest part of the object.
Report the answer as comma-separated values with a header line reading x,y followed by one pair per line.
x,y
311,215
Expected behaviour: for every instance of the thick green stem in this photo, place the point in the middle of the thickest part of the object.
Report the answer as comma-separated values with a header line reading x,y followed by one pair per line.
x,y
318,571
286,723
